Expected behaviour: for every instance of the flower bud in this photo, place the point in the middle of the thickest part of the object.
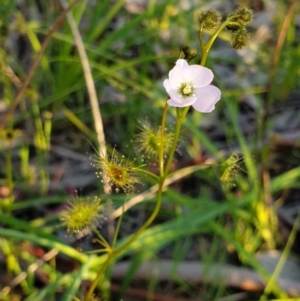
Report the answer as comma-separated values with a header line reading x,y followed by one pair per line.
x,y
209,19
242,15
240,38
187,53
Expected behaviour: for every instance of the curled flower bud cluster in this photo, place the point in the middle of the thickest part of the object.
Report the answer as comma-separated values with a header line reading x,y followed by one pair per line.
x,y
187,53
238,21
209,19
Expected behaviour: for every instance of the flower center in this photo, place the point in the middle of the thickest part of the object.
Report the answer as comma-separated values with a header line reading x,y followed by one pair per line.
x,y
186,90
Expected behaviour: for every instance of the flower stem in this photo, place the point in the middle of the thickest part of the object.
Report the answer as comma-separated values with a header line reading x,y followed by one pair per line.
x,y
200,36
90,292
179,121
117,230
162,133
118,251
146,224
212,39
148,173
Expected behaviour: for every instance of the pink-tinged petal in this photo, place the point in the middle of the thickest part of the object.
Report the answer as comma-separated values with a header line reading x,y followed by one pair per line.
x,y
176,74
198,75
172,93
185,102
175,96
166,85
207,97
172,103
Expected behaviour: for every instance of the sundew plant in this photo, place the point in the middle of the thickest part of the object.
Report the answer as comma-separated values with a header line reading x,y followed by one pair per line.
x,y
78,265
188,86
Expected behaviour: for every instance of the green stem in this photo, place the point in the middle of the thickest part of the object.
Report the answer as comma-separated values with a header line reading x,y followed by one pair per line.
x,y
90,292
102,240
179,121
117,230
119,250
212,39
200,36
162,133
99,251
147,223
148,173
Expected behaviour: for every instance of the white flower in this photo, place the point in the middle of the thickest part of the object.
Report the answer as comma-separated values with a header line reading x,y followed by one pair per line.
x,y
189,85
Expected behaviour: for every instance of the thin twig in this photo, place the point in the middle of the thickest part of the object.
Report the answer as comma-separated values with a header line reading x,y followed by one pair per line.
x,y
34,65
89,82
